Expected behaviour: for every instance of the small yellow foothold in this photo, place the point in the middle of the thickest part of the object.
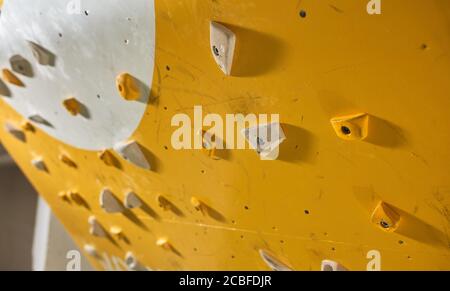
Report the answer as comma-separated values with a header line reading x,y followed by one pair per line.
x,y
67,160
163,202
76,197
116,230
128,87
64,196
351,127
385,218
163,243
198,205
107,157
72,105
9,77
27,126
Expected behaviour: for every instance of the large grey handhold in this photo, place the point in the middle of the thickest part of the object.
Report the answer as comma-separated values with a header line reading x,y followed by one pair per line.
x,y
21,66
42,55
223,43
16,132
95,227
132,201
132,152
109,202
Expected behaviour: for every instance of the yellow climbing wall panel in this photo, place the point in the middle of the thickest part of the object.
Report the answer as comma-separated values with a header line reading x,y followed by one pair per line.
x,y
316,201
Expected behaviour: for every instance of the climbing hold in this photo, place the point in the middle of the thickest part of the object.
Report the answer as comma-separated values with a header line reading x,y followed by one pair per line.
x,y
131,261
9,77
328,265
128,87
385,218
163,202
21,65
76,197
209,144
39,119
116,231
163,243
16,132
351,127
223,44
72,106
132,152
198,205
28,126
4,90
67,161
272,262
64,196
109,202
265,139
107,157
132,200
42,55
39,164
96,228
90,250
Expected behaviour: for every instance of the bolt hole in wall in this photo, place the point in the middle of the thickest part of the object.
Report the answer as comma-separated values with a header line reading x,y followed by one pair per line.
x,y
302,14
345,130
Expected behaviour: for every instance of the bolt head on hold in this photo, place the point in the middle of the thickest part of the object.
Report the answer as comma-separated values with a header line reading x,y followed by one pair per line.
x,y
351,127
385,217
223,45
128,87
72,106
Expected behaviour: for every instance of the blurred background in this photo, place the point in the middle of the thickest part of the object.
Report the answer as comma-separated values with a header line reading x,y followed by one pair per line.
x,y
31,238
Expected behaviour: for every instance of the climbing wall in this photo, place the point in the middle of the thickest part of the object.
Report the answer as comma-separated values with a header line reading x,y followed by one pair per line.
x,y
89,89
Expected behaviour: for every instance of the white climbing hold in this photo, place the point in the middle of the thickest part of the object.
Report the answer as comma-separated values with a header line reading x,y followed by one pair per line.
x,y
223,44
16,132
109,202
132,200
265,139
328,265
42,55
132,152
90,250
272,262
131,261
95,227
39,119
39,164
